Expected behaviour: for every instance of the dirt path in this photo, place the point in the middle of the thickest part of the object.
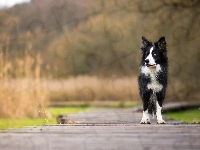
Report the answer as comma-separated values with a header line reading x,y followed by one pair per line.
x,y
107,129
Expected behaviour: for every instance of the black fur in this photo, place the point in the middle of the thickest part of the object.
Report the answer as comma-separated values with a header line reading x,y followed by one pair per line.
x,y
160,57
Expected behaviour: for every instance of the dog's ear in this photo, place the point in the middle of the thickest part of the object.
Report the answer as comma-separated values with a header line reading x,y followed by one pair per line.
x,y
145,43
162,43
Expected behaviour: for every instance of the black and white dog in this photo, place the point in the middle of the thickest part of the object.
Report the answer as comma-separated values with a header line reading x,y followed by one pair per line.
x,y
153,78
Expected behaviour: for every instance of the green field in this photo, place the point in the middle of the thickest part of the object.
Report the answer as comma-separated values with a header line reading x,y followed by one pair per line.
x,y
191,115
54,111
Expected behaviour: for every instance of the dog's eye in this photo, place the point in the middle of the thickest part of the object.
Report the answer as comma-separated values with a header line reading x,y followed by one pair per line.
x,y
154,54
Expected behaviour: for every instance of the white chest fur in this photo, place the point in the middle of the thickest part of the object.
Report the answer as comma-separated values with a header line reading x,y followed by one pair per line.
x,y
152,72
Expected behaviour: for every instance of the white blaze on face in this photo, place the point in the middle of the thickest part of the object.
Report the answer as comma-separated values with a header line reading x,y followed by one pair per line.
x,y
150,57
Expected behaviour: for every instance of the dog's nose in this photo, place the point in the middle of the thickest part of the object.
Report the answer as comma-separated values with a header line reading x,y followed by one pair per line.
x,y
146,61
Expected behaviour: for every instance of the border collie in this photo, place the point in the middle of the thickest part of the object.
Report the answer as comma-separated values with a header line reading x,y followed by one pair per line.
x,y
153,78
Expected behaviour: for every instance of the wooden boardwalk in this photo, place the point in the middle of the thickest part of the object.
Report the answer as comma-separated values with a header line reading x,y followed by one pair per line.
x,y
107,129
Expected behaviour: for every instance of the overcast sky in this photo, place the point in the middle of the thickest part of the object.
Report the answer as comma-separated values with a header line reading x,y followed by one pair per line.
x,y
9,3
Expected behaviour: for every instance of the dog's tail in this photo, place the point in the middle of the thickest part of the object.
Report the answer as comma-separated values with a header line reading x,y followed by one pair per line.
x,y
152,105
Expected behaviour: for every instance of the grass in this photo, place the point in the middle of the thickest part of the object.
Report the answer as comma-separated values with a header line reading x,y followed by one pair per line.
x,y
54,111
18,123
22,94
191,115
93,88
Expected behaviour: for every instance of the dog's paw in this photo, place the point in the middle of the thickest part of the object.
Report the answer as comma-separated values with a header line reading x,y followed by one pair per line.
x,y
161,121
145,121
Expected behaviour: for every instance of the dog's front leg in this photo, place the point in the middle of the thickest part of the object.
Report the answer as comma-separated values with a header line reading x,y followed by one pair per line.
x,y
158,114
145,118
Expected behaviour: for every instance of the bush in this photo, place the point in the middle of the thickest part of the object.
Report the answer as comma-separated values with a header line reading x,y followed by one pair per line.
x,y
22,94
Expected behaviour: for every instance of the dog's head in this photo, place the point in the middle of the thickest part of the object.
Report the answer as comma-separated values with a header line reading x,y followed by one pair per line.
x,y
153,54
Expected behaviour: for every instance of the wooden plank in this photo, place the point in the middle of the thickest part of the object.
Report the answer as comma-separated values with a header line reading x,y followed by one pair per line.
x,y
108,129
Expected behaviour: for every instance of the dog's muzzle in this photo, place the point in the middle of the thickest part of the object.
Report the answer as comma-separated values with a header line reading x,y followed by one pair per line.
x,y
147,63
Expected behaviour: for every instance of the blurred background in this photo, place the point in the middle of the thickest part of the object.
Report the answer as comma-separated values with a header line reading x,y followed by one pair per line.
x,y
87,52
